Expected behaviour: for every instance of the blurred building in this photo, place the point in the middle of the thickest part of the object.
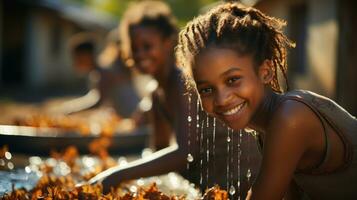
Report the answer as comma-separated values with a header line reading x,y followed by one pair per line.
x,y
34,41
325,57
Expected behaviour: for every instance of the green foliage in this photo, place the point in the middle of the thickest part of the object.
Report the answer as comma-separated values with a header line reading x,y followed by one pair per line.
x,y
183,9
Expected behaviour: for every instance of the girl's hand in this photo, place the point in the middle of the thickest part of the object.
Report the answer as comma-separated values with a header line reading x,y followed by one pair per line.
x,y
104,179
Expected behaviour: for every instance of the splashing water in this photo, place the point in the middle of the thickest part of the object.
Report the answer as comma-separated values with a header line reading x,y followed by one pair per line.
x,y
232,190
228,139
207,151
201,151
239,160
249,174
189,120
214,144
228,158
190,158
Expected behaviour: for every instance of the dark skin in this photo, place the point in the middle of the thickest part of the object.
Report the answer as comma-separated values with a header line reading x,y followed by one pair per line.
x,y
236,91
153,54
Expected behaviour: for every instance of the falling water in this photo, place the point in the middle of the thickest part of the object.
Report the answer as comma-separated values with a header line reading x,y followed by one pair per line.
x,y
201,150
214,144
239,160
189,120
232,189
197,117
198,122
189,158
249,173
228,141
207,151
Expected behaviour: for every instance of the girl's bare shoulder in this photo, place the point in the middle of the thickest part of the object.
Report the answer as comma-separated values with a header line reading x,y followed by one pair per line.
x,y
295,117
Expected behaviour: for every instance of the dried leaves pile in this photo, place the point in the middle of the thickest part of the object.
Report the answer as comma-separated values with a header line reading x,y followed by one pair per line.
x,y
51,187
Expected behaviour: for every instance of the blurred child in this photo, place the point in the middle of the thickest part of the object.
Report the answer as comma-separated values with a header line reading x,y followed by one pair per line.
x,y
149,32
231,56
109,81
83,50
116,84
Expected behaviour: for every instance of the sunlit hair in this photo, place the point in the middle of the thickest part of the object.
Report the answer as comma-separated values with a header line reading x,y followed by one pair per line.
x,y
243,29
154,14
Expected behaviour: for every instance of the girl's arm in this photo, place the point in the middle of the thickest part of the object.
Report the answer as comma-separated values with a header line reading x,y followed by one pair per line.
x,y
160,162
172,158
293,133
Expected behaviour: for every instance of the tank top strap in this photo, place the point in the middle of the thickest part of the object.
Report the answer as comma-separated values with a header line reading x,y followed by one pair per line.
x,y
332,114
322,119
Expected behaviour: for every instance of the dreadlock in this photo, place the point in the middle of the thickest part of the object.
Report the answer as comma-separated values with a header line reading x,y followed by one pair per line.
x,y
148,13
245,30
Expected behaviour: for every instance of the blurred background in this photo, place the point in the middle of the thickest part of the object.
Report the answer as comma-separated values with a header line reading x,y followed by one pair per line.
x,y
35,61
50,51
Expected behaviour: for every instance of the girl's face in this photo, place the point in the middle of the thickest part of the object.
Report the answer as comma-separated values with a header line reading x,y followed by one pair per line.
x,y
229,87
149,49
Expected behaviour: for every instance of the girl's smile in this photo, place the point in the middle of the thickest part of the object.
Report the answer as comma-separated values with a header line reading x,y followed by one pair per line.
x,y
149,49
229,86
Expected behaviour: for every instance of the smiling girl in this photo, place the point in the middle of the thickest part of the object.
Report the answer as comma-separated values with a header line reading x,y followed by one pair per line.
x,y
232,56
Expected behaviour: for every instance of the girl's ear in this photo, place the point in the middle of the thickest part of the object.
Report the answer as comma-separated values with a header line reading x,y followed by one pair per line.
x,y
266,73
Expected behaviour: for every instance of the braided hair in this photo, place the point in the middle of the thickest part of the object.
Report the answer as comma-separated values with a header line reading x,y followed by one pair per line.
x,y
147,13
245,30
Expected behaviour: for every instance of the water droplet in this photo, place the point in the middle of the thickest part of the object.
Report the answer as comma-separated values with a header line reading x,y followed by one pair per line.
x,y
249,174
10,165
146,152
189,158
248,130
8,155
238,184
228,139
140,182
232,190
133,189
28,169
189,118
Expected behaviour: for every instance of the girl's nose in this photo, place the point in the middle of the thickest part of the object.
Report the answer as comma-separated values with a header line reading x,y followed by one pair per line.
x,y
222,98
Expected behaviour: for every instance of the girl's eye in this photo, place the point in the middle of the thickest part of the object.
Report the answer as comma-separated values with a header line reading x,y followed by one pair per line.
x,y
233,80
205,91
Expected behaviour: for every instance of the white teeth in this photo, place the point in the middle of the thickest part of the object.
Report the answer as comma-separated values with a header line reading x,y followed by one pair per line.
x,y
234,110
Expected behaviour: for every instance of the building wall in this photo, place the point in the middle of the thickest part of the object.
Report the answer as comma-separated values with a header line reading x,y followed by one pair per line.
x,y
48,57
322,47
347,56
35,42
319,43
